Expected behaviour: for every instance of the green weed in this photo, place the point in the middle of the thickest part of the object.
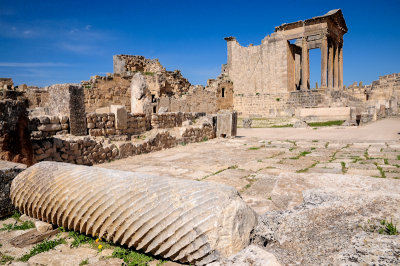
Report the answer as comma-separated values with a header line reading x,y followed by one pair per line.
x,y
84,262
79,239
301,154
326,124
131,257
279,126
344,169
307,168
42,247
254,148
388,228
5,258
13,227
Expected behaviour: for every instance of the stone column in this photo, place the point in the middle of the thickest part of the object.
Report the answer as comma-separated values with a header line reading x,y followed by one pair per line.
x,y
324,61
305,77
336,67
341,66
330,65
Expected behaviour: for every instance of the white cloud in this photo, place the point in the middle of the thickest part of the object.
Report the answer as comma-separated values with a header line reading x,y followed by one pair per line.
x,y
32,64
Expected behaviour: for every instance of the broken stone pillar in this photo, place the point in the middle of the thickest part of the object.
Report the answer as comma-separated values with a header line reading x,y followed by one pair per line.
x,y
140,95
8,171
121,116
69,100
226,123
183,220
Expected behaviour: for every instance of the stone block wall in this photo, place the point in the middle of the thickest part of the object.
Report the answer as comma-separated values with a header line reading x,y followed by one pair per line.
x,y
105,91
68,100
76,150
101,124
15,144
104,124
173,119
198,134
47,126
8,171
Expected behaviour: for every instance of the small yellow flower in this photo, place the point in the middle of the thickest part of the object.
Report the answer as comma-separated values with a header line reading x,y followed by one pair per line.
x,y
97,240
100,246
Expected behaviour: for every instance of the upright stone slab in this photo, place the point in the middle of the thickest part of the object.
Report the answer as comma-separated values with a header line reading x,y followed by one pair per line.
x,y
8,171
226,123
69,100
121,116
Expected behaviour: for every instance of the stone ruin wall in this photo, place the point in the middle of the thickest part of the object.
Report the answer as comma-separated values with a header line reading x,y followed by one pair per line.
x,y
15,143
6,83
105,91
254,71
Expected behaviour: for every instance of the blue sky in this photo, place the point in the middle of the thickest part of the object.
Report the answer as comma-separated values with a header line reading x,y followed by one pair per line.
x,y
46,42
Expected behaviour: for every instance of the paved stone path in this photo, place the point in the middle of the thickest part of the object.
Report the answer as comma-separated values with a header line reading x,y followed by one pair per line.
x,y
250,161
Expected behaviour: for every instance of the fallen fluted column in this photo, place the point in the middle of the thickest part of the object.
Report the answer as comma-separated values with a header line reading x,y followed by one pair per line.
x,y
183,220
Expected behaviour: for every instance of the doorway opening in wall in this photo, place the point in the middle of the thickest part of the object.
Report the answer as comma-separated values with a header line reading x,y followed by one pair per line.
x,y
315,68
223,92
154,109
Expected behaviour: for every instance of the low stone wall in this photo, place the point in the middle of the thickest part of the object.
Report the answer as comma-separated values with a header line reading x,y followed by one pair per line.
x,y
101,124
47,126
76,150
88,150
198,134
104,124
170,120
8,171
136,124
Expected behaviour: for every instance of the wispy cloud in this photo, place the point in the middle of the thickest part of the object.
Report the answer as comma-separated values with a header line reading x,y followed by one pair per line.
x,y
32,64
79,48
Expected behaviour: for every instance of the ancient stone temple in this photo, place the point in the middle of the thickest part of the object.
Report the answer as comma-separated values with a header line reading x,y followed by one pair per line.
x,y
264,76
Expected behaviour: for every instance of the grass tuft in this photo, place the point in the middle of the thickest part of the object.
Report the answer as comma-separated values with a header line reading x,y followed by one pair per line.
x,y
326,124
42,247
301,154
279,126
131,257
13,227
388,228
4,259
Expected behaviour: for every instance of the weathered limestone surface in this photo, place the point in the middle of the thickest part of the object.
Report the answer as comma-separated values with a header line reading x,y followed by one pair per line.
x,y
68,100
15,144
226,124
8,171
324,114
182,220
121,117
337,221
140,101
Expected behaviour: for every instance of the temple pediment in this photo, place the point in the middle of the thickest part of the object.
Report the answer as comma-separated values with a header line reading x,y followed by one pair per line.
x,y
335,17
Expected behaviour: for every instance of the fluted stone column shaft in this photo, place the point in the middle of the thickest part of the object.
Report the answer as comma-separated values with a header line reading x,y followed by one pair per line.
x,y
324,61
305,67
341,66
330,65
184,220
336,67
